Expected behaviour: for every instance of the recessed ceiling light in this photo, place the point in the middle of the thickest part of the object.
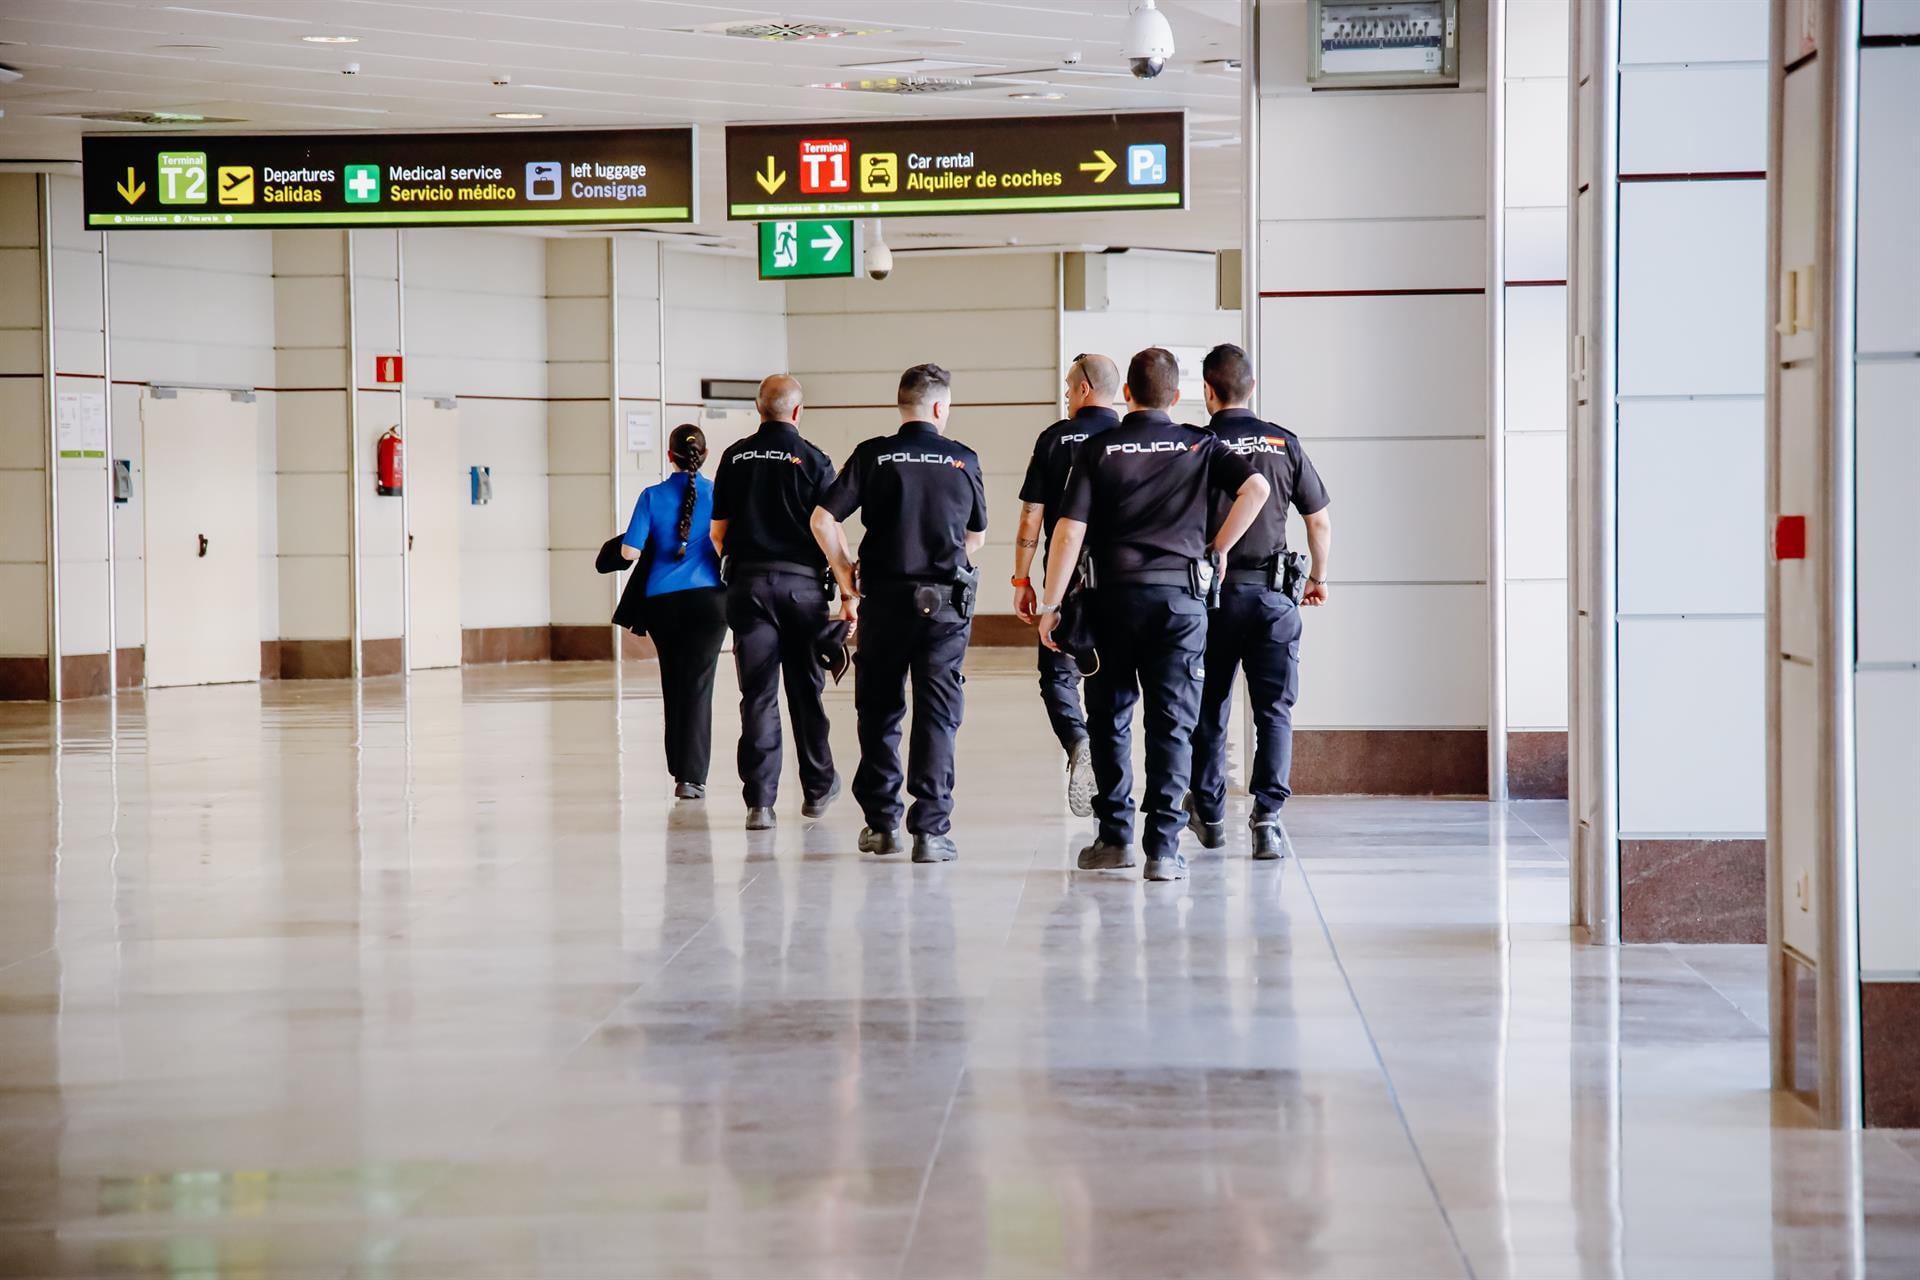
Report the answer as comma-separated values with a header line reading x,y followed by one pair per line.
x,y
519,115
331,39
1036,97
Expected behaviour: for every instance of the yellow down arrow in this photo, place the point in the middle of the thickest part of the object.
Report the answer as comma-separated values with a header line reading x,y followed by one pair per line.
x,y
130,190
1102,168
769,181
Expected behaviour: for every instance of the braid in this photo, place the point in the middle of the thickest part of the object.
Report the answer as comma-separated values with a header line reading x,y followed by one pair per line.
x,y
687,500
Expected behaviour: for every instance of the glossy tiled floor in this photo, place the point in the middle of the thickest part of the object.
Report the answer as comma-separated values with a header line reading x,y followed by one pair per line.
x,y
300,982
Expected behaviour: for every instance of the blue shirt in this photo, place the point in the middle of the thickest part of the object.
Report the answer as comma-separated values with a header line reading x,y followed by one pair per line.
x,y
656,521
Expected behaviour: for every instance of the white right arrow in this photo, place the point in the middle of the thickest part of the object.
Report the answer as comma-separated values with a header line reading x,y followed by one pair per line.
x,y
831,244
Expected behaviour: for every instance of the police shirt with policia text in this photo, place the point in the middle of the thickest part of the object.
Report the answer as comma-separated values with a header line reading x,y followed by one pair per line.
x,y
1276,454
1143,489
919,495
1053,456
766,488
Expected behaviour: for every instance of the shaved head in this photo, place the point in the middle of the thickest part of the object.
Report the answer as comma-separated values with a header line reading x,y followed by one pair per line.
x,y
779,398
1098,374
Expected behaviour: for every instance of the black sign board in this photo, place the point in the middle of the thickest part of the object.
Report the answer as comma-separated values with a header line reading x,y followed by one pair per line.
x,y
1002,164
389,179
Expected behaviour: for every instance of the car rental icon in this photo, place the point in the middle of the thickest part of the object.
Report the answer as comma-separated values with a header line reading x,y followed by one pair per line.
x,y
543,180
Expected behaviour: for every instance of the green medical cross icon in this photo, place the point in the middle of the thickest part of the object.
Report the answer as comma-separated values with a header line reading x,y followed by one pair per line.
x,y
363,184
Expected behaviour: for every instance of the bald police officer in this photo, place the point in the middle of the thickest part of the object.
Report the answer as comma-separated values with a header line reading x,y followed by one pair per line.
x,y
764,493
924,504
1257,625
1140,500
1093,382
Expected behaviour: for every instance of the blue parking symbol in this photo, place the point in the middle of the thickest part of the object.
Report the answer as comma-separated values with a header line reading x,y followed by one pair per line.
x,y
1147,164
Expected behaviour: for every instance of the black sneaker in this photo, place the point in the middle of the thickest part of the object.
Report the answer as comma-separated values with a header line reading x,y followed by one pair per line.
x,y
1080,779
689,791
1167,866
879,842
1212,835
1103,855
817,806
934,849
760,818
1269,837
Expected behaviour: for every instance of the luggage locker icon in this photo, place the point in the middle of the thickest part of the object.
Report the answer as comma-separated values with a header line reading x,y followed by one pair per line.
x,y
543,180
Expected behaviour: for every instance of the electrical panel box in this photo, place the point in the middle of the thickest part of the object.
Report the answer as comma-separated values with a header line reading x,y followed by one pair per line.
x,y
481,479
1383,44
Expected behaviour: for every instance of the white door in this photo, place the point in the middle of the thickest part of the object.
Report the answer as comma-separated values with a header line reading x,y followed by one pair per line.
x,y
436,490
203,538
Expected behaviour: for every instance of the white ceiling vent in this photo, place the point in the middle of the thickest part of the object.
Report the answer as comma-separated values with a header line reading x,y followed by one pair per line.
x,y
903,85
152,117
784,30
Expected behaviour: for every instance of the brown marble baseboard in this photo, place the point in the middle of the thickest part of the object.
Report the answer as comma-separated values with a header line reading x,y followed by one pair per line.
x,y
1537,765
1890,1053
481,645
315,659
1001,631
130,667
581,644
1390,762
382,657
1693,890
637,647
269,659
83,675
23,680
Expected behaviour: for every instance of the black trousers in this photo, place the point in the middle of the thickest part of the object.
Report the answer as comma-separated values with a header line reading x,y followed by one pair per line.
x,y
1060,691
897,641
776,617
1152,641
687,628
1260,630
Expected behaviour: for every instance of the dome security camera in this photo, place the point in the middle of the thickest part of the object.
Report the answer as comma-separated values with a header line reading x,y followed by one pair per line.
x,y
1149,41
879,258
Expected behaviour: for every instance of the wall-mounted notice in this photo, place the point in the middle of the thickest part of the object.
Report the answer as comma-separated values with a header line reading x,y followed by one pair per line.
x,y
80,424
639,430
1001,164
389,179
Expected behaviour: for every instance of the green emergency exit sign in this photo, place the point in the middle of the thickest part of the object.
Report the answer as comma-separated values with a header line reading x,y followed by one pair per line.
x,y
809,250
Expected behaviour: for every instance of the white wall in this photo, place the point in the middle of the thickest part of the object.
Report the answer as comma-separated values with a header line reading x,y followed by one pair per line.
x,y
1692,287
1887,694
1373,347
477,330
23,479
989,320
308,330
1535,384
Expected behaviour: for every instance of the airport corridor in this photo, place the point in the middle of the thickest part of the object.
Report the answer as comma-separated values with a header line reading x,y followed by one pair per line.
x,y
319,979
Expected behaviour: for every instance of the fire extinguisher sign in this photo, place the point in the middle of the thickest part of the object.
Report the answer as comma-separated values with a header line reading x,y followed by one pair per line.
x,y
387,369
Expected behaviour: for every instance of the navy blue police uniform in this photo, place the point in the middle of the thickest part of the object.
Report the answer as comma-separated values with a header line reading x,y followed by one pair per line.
x,y
919,495
1046,483
1145,489
1256,626
766,488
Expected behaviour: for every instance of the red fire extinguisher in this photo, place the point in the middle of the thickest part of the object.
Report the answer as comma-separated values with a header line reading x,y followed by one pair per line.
x,y
391,464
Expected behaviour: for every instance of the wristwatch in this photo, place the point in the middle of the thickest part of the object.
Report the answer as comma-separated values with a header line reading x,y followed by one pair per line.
x,y
1042,609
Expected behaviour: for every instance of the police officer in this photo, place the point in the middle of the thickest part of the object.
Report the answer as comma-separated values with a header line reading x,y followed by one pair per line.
x,y
1257,625
923,502
1140,500
764,492
1093,381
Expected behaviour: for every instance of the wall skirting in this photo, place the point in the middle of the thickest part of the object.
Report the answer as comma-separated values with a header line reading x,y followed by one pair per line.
x,y
23,679
581,644
482,645
1693,891
1390,762
1001,631
1537,764
1890,1053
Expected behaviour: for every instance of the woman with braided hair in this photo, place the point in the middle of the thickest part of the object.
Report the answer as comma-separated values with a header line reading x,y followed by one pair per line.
x,y
685,605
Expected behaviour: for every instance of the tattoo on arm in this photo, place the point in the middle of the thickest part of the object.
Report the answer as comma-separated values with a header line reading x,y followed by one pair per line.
x,y
1028,543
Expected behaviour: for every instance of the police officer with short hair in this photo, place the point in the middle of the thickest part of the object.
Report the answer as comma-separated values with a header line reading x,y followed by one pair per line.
x,y
1093,382
1140,500
764,493
1257,624
923,502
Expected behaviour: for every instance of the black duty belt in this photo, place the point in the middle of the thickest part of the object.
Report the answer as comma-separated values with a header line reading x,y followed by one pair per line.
x,y
780,566
1182,578
1260,577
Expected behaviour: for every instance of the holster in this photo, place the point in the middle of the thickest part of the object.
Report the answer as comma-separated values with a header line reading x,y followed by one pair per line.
x,y
966,590
1290,574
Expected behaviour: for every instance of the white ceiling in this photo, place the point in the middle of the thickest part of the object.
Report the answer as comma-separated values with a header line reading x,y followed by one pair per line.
x,y
430,64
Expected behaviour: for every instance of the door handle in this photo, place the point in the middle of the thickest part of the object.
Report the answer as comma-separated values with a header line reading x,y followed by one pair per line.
x,y
409,542
203,546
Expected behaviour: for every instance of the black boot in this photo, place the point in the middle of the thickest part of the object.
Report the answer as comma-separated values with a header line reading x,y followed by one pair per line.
x,y
1212,835
934,849
1104,855
879,842
760,818
1269,837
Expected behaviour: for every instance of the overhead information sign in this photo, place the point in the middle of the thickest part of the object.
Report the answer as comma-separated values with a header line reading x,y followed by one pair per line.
x,y
389,179
1003,164
809,250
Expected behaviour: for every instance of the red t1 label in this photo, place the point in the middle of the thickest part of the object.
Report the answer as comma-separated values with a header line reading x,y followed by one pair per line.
x,y
825,166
